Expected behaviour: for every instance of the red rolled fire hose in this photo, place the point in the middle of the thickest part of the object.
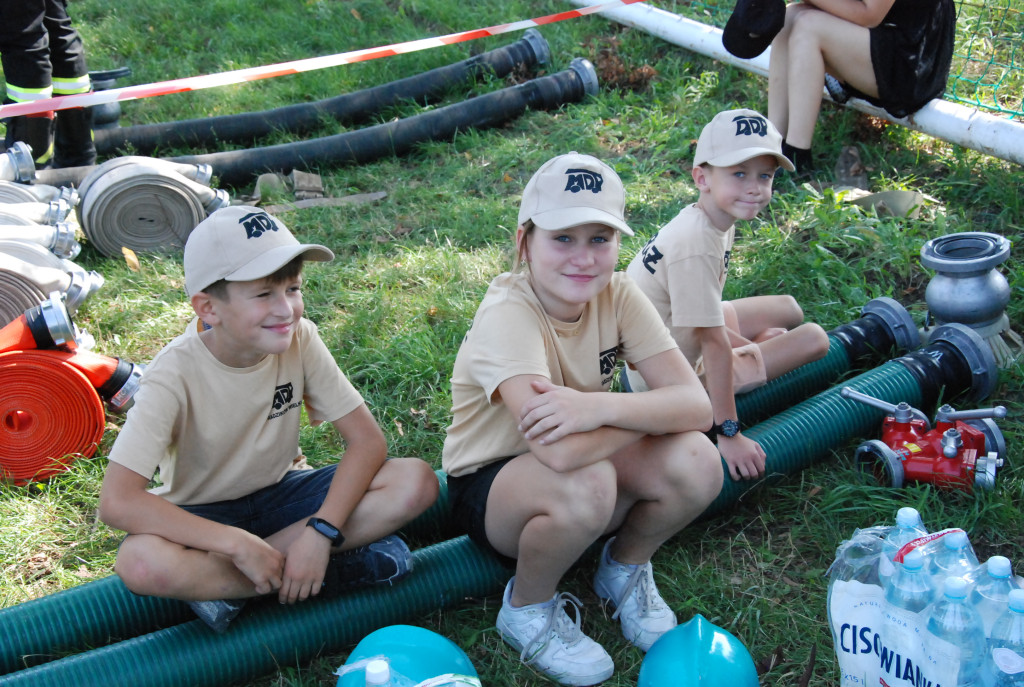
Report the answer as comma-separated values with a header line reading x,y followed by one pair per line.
x,y
50,414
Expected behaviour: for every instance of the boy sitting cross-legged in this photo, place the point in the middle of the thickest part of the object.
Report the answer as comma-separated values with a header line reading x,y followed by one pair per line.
x,y
238,513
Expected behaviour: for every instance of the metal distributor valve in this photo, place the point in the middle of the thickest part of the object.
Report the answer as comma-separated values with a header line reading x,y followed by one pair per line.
x,y
963,451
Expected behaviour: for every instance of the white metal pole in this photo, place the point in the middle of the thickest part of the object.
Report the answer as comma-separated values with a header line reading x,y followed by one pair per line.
x,y
952,122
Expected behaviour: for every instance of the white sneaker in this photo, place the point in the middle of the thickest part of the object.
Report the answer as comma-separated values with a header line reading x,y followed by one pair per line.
x,y
639,607
551,642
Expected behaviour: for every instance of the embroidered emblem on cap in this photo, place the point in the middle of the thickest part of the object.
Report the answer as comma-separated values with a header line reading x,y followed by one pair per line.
x,y
751,126
583,180
257,223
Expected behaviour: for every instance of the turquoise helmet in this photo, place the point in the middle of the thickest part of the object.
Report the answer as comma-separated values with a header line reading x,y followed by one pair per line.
x,y
414,652
697,653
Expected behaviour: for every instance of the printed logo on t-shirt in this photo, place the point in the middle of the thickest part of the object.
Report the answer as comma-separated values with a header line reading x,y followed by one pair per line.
x,y
607,362
747,125
651,254
583,180
725,261
283,400
257,223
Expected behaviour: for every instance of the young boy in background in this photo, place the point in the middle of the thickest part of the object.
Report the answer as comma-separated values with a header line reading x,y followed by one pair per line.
x,y
734,345
237,512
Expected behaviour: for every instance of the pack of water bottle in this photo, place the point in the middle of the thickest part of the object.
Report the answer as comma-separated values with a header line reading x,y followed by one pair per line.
x,y
909,607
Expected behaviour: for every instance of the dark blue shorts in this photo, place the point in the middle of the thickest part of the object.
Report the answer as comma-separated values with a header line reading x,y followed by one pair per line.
x,y
298,495
467,498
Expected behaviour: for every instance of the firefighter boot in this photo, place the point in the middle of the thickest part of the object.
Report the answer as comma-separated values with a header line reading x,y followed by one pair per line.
x,y
73,144
34,130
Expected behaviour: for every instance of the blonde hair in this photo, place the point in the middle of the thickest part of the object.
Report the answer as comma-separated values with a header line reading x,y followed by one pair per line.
x,y
520,256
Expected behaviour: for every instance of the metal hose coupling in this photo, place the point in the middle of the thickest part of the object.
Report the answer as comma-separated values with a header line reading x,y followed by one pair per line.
x,y
145,204
44,326
17,163
49,273
36,212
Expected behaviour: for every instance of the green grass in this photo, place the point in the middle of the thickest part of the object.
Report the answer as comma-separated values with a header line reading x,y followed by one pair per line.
x,y
412,267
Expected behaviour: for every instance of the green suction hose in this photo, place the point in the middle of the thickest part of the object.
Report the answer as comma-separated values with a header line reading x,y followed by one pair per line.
x,y
956,361
105,611
884,329
269,635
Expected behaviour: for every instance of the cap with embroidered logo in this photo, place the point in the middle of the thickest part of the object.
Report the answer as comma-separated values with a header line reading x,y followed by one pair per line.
x,y
574,189
242,243
735,136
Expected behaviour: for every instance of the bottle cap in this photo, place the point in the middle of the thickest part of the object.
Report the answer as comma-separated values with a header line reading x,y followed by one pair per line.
x,y
955,588
955,540
1016,600
913,560
998,566
378,672
907,517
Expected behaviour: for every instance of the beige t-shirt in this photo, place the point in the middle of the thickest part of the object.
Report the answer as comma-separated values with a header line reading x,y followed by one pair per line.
x,y
511,335
682,269
216,432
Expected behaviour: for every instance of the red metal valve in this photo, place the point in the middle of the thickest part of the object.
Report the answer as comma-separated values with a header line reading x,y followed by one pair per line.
x,y
963,451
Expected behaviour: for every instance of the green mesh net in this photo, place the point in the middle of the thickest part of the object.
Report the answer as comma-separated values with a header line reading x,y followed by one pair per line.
x,y
987,70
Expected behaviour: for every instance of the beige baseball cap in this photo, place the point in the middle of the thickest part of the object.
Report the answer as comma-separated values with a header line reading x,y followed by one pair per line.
x,y
242,243
574,189
735,136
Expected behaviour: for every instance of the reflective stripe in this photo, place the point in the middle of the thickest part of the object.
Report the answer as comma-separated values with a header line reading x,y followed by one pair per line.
x,y
72,86
27,95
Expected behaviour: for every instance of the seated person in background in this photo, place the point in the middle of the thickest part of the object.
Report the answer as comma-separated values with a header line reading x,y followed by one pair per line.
x,y
894,53
238,512
734,345
542,460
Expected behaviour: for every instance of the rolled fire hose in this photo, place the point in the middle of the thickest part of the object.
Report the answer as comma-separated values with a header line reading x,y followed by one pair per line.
x,y
50,414
36,212
57,238
13,192
93,614
145,206
74,282
17,164
18,293
248,127
83,177
884,329
396,138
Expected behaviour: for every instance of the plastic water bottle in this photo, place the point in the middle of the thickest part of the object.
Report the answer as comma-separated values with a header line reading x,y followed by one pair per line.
x,y
910,587
1005,658
908,528
955,558
951,618
992,590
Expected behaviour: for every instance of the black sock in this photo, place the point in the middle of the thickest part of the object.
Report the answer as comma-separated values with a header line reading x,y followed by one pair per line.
x,y
801,158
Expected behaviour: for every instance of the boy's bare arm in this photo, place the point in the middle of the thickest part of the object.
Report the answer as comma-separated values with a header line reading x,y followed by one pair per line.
x,y
307,554
866,13
126,504
744,456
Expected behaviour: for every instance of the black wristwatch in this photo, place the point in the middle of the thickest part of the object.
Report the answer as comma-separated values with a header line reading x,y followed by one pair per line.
x,y
327,529
727,428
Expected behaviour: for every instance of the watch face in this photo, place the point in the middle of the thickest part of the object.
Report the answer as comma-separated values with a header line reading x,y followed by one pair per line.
x,y
730,428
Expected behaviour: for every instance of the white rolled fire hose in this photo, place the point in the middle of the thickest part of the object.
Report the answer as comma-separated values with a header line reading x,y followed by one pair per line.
x,y
37,212
145,204
13,192
78,284
17,294
58,238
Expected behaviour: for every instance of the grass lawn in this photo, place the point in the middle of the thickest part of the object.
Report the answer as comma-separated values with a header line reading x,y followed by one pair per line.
x,y
412,267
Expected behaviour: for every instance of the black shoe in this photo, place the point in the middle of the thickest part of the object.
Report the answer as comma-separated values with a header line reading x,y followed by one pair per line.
x,y
384,561
217,613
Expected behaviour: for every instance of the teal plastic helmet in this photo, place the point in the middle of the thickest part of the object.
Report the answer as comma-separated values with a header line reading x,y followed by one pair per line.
x,y
697,653
414,652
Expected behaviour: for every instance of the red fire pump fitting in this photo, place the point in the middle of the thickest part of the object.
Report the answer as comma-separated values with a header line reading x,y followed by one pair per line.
x,y
963,451
50,414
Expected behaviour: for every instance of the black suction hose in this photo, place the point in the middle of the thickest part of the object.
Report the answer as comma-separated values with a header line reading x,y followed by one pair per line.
x,y
398,137
248,127
234,168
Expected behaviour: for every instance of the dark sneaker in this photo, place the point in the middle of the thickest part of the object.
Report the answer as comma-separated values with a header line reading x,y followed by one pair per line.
x,y
384,561
217,613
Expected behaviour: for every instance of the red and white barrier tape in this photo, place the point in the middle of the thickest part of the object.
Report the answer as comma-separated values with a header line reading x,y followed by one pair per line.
x,y
195,83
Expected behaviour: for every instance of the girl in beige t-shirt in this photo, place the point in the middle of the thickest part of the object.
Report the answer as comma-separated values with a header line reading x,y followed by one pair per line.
x,y
542,459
